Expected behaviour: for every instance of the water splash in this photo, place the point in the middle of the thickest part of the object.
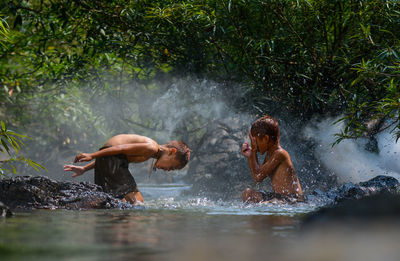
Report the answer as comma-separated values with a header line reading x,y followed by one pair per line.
x,y
218,207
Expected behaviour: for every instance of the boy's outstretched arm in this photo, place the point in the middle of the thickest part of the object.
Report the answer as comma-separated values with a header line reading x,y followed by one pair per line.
x,y
79,170
135,149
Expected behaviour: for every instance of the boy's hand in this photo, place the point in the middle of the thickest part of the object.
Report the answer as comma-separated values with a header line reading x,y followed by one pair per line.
x,y
246,150
253,142
79,170
83,157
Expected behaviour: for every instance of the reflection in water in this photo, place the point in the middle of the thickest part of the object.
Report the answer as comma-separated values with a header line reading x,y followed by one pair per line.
x,y
148,233
124,229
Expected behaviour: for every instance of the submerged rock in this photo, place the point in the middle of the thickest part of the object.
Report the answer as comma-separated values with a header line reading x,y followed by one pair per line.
x,y
4,210
27,192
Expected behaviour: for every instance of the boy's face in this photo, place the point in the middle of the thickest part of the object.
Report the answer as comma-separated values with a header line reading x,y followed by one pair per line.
x,y
262,143
168,162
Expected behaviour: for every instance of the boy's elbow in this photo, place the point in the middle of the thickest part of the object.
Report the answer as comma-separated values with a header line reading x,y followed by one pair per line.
x,y
258,178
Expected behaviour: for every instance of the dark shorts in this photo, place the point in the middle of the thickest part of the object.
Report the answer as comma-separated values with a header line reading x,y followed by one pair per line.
x,y
113,175
267,196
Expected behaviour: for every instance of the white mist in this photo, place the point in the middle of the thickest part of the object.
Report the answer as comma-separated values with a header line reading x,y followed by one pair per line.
x,y
348,159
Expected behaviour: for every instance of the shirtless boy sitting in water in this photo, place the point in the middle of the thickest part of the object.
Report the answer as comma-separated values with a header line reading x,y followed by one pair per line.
x,y
264,137
111,162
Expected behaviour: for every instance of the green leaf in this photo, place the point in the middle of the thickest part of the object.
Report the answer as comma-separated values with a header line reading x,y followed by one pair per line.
x,y
13,169
5,146
17,134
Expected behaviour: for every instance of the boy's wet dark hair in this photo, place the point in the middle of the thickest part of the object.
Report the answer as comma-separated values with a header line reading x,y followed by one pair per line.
x,y
182,151
265,125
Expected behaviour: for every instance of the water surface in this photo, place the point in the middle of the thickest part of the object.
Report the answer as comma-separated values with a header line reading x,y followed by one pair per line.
x,y
171,227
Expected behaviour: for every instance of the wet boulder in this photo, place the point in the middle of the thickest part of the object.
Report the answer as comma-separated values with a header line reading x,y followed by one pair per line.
x,y
28,192
378,185
377,197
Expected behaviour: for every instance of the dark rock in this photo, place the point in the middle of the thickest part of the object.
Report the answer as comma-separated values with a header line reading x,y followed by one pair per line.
x,y
377,197
26,192
383,183
379,184
372,145
4,210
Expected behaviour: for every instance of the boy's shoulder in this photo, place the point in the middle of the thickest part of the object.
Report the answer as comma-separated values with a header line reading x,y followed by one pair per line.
x,y
281,154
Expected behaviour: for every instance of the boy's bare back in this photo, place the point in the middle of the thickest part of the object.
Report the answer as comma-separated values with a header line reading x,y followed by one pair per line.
x,y
122,139
128,139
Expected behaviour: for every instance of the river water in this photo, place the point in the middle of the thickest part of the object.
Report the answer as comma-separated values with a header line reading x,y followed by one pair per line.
x,y
173,227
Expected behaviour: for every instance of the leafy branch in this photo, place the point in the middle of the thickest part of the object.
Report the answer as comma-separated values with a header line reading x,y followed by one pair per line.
x,y
11,144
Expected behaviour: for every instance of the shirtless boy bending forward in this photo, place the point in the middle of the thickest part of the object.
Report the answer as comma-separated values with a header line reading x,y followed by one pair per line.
x,y
111,162
264,137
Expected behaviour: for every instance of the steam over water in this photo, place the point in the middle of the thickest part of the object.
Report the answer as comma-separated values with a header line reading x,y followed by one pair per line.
x,y
349,159
188,99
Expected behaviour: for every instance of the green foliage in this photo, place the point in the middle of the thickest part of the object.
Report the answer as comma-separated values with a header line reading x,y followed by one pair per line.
x,y
4,33
10,146
377,94
65,60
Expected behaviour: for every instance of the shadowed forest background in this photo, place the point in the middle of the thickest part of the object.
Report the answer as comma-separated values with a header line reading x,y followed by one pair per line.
x,y
74,72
